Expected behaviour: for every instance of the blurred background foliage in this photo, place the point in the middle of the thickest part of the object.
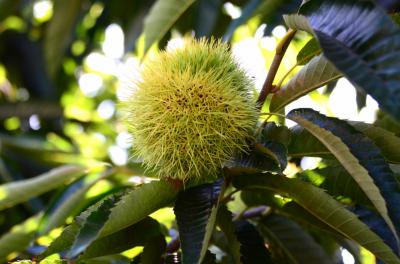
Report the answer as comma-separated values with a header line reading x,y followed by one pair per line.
x,y
65,65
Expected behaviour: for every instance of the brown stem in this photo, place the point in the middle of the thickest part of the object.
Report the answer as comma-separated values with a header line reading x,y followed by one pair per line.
x,y
280,52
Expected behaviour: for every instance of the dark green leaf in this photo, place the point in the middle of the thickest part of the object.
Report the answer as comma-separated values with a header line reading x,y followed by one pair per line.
x,y
252,247
322,206
377,224
195,211
91,228
361,158
136,235
153,250
139,203
385,140
224,219
297,245
303,143
338,183
361,41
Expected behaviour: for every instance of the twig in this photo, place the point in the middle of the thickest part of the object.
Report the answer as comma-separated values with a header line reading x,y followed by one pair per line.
x,y
280,52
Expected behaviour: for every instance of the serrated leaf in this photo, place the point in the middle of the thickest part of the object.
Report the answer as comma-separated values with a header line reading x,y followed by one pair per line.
x,y
309,51
338,183
360,157
162,15
316,73
377,224
20,191
139,203
252,247
132,208
298,245
322,206
303,143
385,140
368,54
195,210
136,235
224,220
91,227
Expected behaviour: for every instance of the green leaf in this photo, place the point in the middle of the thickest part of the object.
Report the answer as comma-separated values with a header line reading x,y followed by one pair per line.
x,y
161,17
252,247
338,183
132,208
322,206
91,227
224,220
368,54
20,191
136,235
196,210
309,51
303,143
297,245
385,140
18,238
153,250
138,204
316,73
359,156
64,205
60,30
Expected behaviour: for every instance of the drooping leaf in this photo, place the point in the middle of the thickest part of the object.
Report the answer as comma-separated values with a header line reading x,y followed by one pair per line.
x,y
377,224
309,51
252,247
322,206
316,73
20,191
136,235
361,41
385,140
303,143
360,157
196,210
92,226
225,223
60,31
338,183
18,238
161,17
296,244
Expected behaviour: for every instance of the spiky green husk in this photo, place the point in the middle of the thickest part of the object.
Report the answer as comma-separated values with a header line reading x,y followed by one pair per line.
x,y
191,111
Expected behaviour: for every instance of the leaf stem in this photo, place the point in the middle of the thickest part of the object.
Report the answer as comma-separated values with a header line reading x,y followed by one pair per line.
x,y
279,53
